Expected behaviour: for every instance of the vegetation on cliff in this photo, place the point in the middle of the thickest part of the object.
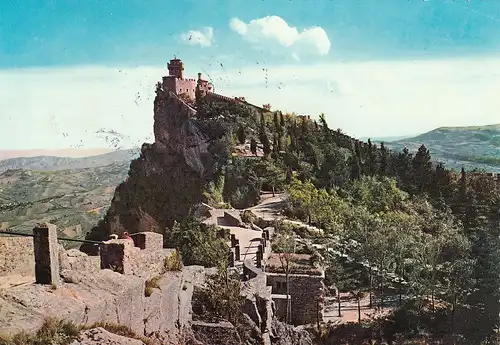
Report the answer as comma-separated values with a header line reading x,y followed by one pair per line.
x,y
199,243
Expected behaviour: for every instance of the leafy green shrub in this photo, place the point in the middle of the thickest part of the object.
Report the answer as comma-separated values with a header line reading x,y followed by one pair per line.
x,y
173,262
213,194
198,243
219,299
248,217
151,284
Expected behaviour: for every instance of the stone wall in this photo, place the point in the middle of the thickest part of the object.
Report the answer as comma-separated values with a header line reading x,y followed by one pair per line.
x,y
179,86
306,293
261,309
76,260
16,256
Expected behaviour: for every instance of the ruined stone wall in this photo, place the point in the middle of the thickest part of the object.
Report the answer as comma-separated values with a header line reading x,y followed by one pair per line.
x,y
86,294
306,293
16,256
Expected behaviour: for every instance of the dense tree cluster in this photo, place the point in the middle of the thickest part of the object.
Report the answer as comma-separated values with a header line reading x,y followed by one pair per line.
x,y
435,228
199,243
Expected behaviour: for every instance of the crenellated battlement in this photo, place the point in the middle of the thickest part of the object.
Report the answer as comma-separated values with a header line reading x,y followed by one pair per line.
x,y
193,88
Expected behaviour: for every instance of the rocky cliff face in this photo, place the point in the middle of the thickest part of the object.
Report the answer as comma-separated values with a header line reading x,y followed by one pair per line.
x,y
168,178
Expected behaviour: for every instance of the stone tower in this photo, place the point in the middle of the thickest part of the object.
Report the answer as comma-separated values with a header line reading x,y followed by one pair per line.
x,y
176,68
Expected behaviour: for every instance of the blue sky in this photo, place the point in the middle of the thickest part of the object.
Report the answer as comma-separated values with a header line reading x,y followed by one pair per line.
x,y
62,32
404,47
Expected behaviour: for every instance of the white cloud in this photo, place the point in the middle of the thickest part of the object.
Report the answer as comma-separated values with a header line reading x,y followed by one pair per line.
x,y
273,29
64,107
363,98
203,38
379,98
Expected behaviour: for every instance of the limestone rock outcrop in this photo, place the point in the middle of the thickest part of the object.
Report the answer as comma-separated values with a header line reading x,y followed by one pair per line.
x,y
99,336
169,177
89,297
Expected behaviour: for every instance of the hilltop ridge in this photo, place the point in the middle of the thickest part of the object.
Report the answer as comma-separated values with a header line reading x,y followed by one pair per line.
x,y
468,146
53,163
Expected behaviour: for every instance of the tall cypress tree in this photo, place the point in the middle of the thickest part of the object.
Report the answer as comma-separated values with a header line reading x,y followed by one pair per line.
x,y
384,160
264,139
422,169
276,123
241,134
463,186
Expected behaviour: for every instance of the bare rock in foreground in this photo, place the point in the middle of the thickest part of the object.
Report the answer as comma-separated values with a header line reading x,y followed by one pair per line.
x,y
99,336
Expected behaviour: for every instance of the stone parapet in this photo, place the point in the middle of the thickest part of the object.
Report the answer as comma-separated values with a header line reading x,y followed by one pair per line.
x,y
148,240
46,251
124,257
116,255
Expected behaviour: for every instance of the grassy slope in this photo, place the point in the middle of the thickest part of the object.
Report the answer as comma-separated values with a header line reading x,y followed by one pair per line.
x,y
474,146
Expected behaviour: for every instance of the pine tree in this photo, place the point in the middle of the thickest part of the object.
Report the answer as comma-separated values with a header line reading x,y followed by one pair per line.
x,y
355,167
370,163
405,166
327,135
276,123
276,148
282,120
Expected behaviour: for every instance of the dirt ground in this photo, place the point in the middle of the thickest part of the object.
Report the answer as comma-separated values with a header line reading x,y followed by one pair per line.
x,y
349,308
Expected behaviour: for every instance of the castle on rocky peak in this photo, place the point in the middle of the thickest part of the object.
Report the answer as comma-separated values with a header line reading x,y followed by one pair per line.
x,y
191,88
176,83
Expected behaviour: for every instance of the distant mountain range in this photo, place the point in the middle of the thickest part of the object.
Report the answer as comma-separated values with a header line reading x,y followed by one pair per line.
x,y
470,147
53,163
385,139
67,152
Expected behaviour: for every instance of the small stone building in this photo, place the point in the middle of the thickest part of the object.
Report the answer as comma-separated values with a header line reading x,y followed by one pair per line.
x,y
306,287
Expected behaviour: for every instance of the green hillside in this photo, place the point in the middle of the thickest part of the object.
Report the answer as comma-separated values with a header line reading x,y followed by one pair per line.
x,y
471,147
